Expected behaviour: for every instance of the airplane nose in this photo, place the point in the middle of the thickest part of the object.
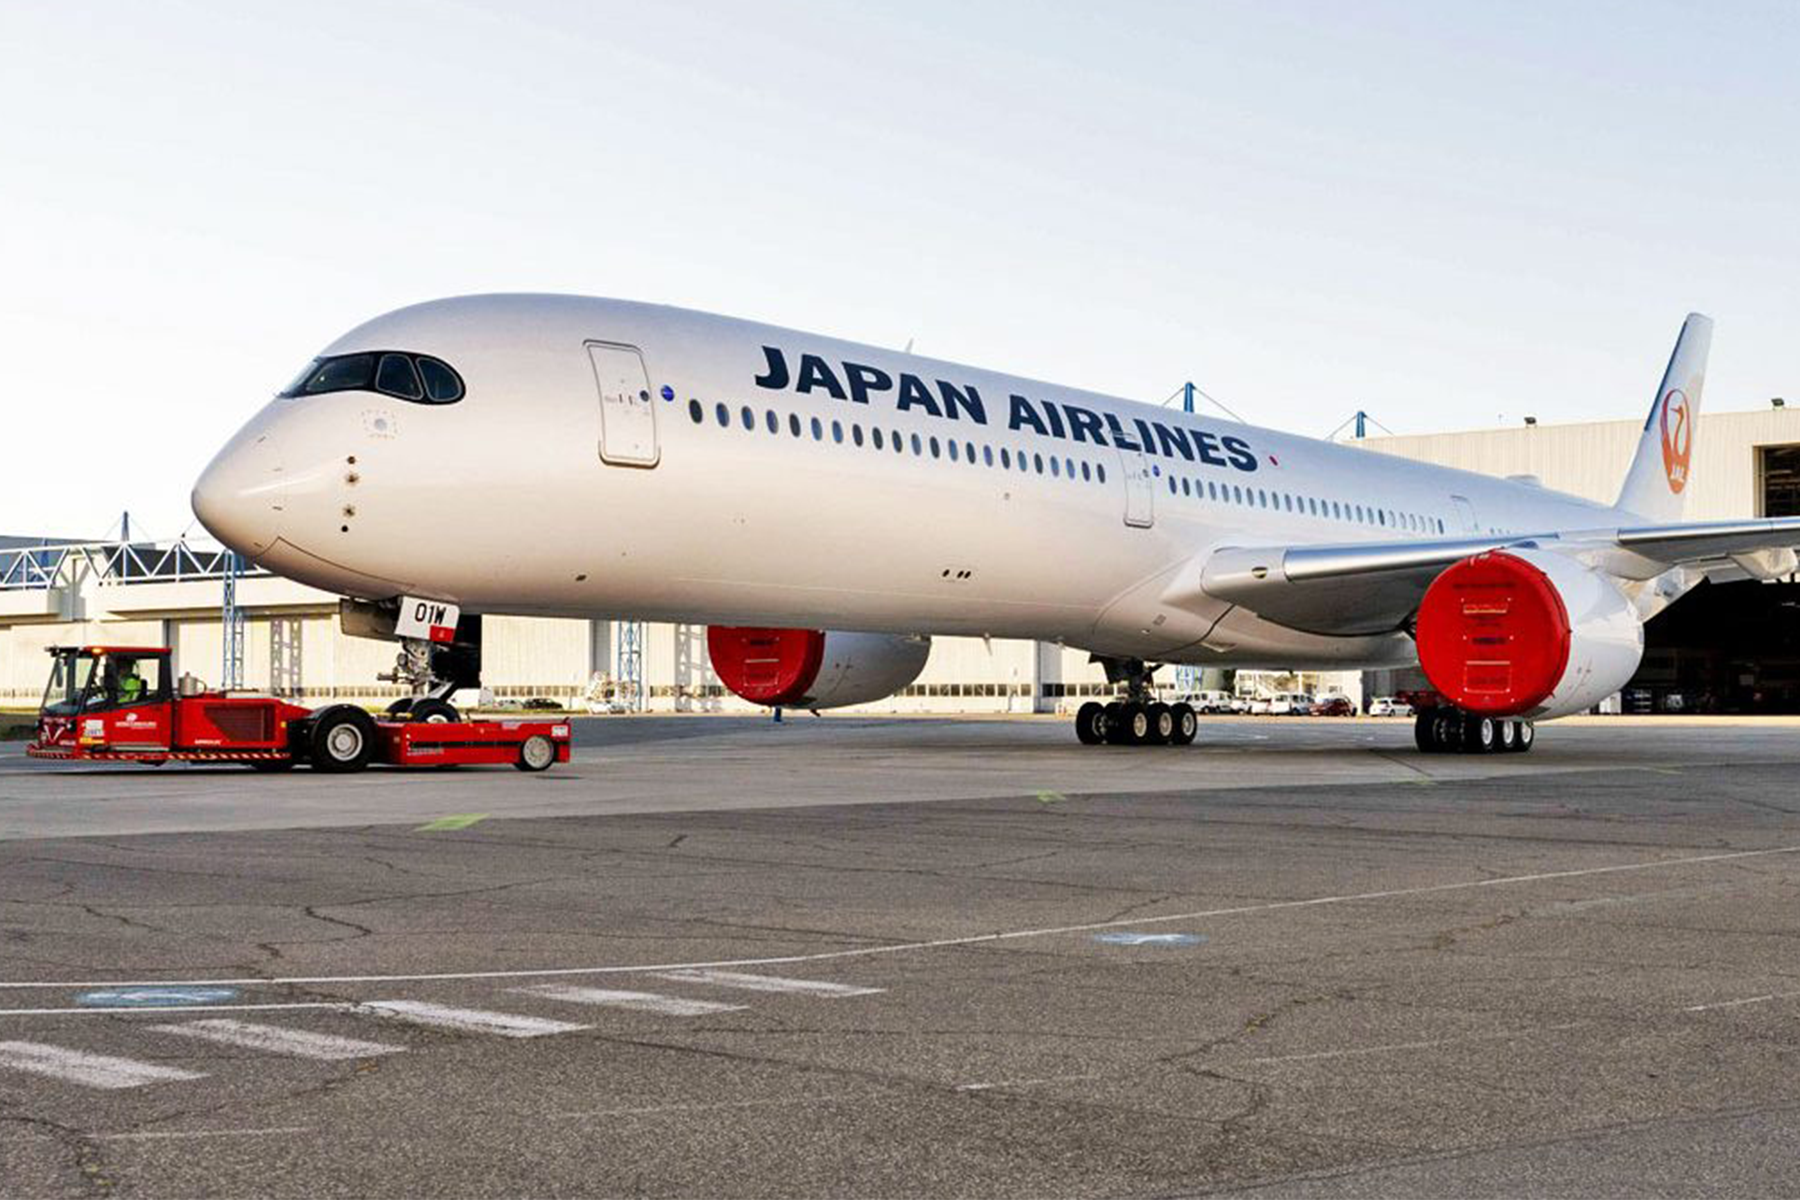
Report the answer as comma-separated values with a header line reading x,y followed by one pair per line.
x,y
238,496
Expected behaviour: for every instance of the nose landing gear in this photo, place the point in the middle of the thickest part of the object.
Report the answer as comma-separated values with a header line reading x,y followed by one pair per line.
x,y
1139,719
1450,730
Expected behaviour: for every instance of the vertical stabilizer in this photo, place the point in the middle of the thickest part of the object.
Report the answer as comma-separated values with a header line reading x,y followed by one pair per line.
x,y
1657,483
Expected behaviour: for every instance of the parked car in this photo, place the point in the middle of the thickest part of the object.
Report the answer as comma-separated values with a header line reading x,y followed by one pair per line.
x,y
1208,702
1282,704
1333,706
1389,706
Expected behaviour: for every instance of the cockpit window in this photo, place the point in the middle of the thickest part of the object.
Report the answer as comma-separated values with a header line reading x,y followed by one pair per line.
x,y
340,374
396,377
413,377
441,383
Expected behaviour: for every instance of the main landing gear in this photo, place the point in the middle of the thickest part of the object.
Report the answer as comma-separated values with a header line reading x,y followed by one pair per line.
x,y
1138,720
1450,730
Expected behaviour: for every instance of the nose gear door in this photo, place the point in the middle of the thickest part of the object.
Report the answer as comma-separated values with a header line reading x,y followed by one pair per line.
x,y
627,416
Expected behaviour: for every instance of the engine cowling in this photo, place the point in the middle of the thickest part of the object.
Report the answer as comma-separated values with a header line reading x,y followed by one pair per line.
x,y
1527,633
810,668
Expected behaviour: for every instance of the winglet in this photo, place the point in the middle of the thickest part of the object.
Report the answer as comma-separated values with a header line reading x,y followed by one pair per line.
x,y
1657,483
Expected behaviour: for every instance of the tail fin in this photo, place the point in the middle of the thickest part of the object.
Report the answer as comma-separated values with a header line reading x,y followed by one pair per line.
x,y
1657,482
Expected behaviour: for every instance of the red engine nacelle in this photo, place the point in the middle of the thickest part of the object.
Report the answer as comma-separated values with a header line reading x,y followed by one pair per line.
x,y
809,668
1527,633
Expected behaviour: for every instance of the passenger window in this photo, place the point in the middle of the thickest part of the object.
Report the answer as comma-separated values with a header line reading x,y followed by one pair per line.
x,y
969,452
696,412
773,421
1038,461
875,433
794,424
987,455
837,432
1057,470
856,433
953,452
397,378
1087,473
1101,472
1069,467
442,385
724,416
748,418
917,445
1005,458
818,430
934,447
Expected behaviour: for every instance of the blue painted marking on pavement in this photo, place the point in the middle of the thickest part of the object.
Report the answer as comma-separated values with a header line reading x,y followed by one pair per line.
x,y
155,997
1150,939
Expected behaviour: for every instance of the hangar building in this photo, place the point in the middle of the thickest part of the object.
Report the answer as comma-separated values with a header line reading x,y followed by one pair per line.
x,y
1731,647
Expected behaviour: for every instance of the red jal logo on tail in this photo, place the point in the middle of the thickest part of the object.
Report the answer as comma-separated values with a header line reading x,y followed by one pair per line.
x,y
1677,438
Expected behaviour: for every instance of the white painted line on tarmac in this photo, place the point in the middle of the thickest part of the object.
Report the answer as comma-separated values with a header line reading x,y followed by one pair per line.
x,y
668,1006
652,1110
768,983
1741,1003
170,1134
1396,1047
1016,1083
273,1039
467,1020
974,939
88,1070
86,1011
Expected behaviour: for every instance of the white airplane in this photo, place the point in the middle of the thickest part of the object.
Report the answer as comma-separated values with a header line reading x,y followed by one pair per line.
x,y
566,456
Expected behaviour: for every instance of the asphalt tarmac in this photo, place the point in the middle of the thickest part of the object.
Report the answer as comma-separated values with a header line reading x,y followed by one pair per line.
x,y
844,957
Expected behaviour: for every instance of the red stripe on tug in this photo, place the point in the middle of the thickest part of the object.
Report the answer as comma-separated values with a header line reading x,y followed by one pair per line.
x,y
776,667
1493,635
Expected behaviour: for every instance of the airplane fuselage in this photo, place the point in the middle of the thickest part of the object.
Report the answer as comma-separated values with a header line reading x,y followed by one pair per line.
x,y
622,459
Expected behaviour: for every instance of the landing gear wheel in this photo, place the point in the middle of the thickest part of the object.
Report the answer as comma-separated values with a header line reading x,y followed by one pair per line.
x,y
1509,737
433,711
1479,735
1130,726
1425,733
343,740
1525,737
1090,723
1187,725
536,753
1162,724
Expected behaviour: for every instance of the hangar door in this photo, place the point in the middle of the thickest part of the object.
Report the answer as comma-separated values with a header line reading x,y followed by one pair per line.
x,y
627,417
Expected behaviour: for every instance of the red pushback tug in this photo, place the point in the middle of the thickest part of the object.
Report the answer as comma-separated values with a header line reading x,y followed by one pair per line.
x,y
116,704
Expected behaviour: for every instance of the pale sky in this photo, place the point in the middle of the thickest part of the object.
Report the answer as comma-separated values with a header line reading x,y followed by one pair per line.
x,y
1450,214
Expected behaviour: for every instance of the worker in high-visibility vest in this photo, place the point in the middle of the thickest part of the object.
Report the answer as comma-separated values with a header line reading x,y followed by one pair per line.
x,y
131,684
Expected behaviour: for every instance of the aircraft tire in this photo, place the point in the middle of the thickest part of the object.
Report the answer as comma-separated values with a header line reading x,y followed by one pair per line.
x,y
1425,732
1162,724
1187,725
398,709
434,712
1131,726
1525,738
1506,737
1090,723
1479,736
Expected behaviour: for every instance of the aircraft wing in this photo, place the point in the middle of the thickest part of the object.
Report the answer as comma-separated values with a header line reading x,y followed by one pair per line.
x,y
1366,588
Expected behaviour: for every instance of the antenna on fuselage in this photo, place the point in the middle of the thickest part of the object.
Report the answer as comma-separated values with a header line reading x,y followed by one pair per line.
x,y
1361,420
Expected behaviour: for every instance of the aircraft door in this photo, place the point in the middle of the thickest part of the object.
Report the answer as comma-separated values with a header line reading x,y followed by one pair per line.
x,y
627,414
1140,489
1465,512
